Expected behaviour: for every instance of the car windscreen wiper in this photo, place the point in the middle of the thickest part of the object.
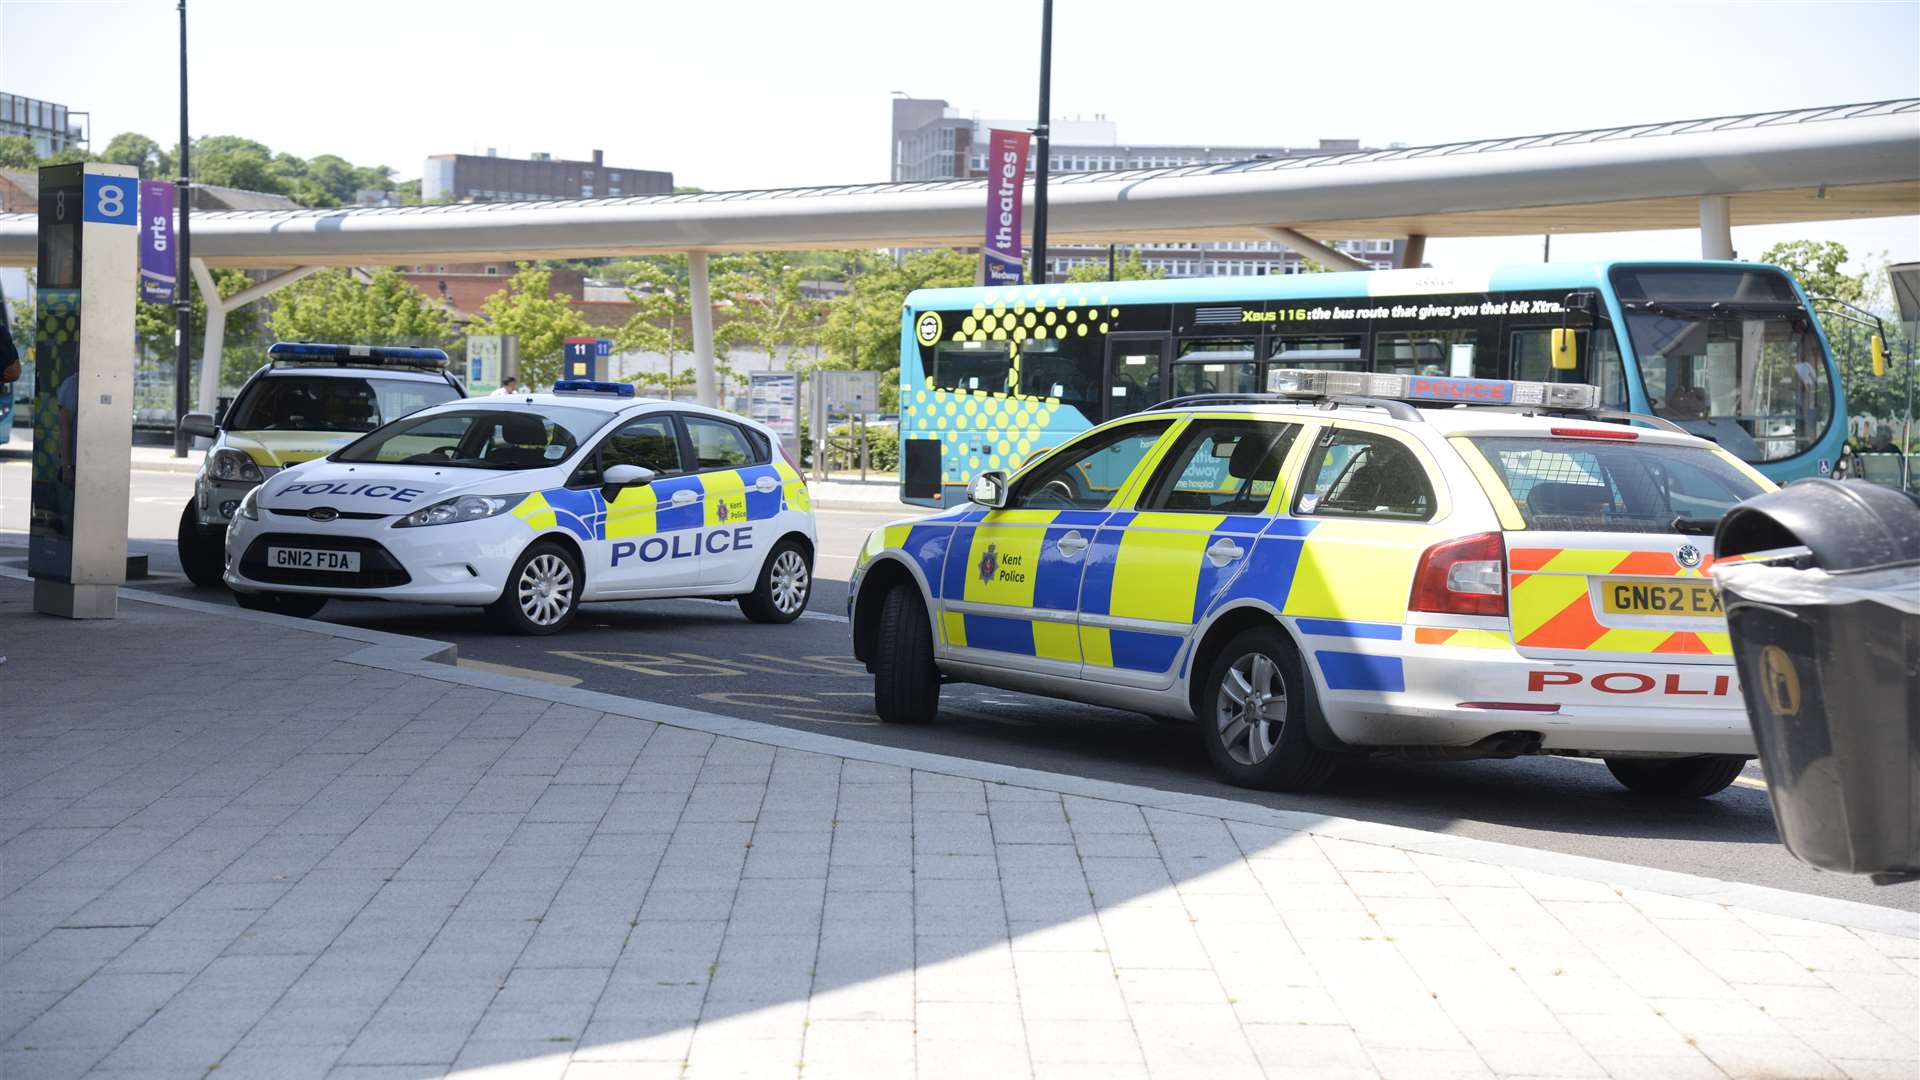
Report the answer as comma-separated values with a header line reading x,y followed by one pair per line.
x,y
1694,526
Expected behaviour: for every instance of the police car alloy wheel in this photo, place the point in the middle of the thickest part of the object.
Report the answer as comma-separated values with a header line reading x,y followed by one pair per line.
x,y
1677,778
785,584
1253,714
542,592
906,684
202,550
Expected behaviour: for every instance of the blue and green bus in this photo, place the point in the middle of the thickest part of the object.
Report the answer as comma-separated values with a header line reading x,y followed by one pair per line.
x,y
1731,351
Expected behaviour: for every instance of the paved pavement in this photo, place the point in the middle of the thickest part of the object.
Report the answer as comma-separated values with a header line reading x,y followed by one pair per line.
x,y
289,853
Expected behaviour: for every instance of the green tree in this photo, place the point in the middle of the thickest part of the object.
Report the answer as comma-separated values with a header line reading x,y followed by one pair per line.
x,y
662,319
334,305
863,326
528,309
155,324
135,149
231,161
767,306
1820,267
16,152
1130,268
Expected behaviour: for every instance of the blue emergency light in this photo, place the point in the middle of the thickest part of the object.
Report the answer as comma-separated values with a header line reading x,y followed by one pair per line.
x,y
585,386
317,351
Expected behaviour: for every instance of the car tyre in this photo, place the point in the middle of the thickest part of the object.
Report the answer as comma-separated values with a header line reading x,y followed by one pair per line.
x,y
1253,715
785,586
1677,778
295,605
542,591
906,684
203,551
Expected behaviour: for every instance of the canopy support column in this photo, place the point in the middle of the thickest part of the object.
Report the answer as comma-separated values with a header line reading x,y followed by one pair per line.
x,y
217,308
1415,253
700,298
1716,227
1309,248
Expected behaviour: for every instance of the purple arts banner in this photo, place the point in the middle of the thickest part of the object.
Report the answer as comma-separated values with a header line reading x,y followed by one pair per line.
x,y
1006,180
157,261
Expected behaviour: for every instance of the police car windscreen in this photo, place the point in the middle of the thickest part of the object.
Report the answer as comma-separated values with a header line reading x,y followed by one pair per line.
x,y
1628,486
332,402
480,438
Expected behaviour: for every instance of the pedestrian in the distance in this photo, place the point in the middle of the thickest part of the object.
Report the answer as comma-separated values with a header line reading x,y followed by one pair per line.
x,y
511,386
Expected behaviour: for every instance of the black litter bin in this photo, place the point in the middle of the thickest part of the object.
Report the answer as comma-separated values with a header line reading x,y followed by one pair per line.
x,y
1825,617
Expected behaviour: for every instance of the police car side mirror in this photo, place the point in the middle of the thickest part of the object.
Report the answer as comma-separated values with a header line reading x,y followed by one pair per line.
x,y
989,489
199,424
627,476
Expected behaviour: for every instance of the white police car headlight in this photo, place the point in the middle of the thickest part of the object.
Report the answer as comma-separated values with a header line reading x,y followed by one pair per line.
x,y
233,466
248,509
464,508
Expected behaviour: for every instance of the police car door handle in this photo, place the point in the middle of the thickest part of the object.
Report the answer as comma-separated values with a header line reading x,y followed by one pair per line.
x,y
684,496
1070,545
1223,552
766,483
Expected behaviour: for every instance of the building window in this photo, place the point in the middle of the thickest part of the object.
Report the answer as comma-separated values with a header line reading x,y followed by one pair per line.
x,y
490,269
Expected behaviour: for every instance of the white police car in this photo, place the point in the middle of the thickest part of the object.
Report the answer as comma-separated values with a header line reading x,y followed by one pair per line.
x,y
530,505
1330,570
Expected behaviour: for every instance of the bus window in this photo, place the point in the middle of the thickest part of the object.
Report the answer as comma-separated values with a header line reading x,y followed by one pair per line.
x,y
1133,374
1328,352
970,365
1731,355
1599,362
1067,369
1216,366
1430,352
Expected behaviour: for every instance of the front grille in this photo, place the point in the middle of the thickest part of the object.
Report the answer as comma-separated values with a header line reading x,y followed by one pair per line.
x,y
344,515
378,568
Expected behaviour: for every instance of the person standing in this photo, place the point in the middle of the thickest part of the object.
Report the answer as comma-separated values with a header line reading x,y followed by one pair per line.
x,y
511,386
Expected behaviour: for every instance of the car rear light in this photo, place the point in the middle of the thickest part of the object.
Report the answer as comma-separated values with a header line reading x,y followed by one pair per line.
x,y
793,461
1595,433
1464,576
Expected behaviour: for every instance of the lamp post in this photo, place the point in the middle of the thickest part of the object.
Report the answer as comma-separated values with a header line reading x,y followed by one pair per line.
x,y
1040,141
183,270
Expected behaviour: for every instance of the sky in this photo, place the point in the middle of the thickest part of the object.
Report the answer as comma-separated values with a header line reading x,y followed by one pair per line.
x,y
759,93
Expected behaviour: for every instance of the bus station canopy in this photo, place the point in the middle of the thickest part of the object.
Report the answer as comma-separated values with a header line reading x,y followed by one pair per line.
x,y
1844,161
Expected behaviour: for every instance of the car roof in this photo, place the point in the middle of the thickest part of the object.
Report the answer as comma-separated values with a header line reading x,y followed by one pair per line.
x,y
607,403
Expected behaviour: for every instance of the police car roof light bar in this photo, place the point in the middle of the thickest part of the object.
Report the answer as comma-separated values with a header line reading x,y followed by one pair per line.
x,y
316,352
598,389
1433,389
1399,410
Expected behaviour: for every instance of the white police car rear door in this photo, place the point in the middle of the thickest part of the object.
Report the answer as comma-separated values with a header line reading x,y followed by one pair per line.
x,y
652,530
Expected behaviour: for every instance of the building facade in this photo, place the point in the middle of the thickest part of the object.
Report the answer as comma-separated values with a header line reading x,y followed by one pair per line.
x,y
491,178
51,127
934,141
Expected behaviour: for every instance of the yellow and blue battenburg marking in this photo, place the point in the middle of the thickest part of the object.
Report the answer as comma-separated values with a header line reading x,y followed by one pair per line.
x,y
1343,592
734,496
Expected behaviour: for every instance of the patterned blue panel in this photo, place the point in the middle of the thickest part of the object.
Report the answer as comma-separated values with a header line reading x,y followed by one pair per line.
x,y
999,634
1358,671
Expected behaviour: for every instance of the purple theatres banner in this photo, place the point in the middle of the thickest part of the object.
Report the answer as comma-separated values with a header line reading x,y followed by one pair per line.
x,y
157,263
1006,177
